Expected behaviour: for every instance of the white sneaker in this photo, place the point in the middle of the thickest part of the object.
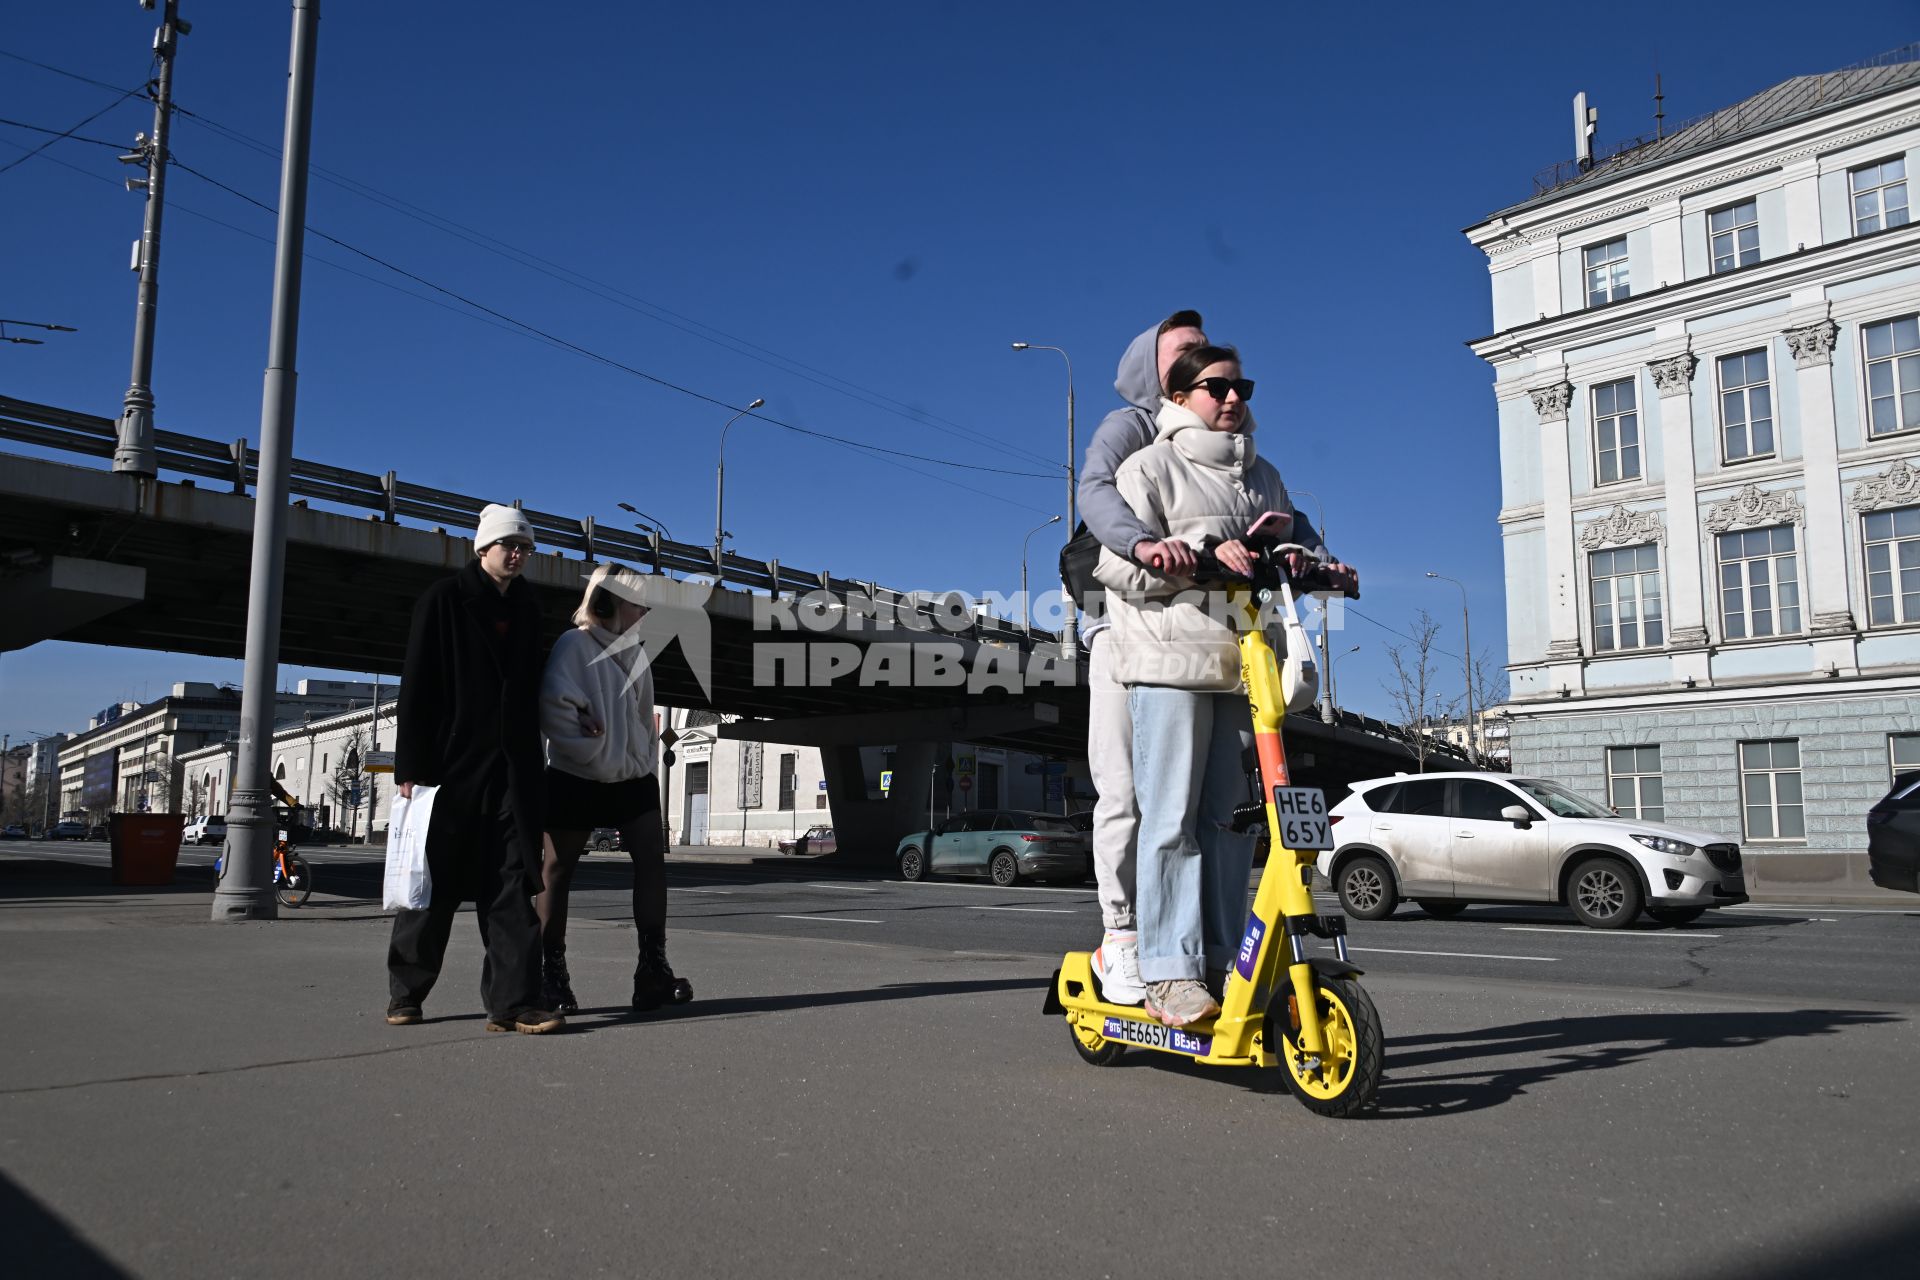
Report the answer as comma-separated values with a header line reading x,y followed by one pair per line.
x,y
1117,967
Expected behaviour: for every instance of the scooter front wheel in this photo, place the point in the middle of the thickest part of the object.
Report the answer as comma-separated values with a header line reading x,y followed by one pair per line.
x,y
1344,1080
1093,1047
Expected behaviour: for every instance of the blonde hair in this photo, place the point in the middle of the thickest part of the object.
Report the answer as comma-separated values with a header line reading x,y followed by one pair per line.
x,y
608,584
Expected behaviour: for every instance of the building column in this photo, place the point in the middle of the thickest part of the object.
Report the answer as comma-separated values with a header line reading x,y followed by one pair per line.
x,y
1686,605
1825,560
1564,667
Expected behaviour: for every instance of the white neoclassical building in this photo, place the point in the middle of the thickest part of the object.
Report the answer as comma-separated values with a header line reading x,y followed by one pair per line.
x,y
1706,352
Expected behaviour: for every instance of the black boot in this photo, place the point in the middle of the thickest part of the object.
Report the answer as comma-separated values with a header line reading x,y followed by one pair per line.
x,y
654,982
556,985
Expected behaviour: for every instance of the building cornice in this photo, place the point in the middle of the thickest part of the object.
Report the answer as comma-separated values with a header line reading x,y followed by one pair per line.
x,y
1793,142
1824,264
1759,694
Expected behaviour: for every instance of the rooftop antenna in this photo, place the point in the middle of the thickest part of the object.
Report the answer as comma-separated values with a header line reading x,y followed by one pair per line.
x,y
1659,109
1585,120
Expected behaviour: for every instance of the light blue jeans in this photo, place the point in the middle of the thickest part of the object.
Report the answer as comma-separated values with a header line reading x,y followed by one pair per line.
x,y
1191,872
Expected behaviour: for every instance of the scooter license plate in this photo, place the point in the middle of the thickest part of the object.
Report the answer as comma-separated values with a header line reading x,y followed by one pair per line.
x,y
1303,817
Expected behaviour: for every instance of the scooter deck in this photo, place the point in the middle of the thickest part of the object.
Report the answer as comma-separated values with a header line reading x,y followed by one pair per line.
x,y
1224,1040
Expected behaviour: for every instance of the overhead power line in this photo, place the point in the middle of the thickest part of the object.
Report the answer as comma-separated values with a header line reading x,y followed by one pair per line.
x,y
57,135
591,354
628,301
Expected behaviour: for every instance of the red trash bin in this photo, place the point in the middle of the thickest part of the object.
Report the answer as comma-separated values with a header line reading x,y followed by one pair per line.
x,y
145,846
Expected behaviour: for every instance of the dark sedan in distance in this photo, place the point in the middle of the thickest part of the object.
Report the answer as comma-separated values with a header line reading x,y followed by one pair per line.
x,y
1893,836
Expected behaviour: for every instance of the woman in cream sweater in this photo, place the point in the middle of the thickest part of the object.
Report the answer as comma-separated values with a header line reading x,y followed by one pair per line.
x,y
1201,478
596,710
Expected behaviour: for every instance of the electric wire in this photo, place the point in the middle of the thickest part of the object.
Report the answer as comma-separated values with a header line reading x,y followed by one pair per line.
x,y
16,163
628,301
591,354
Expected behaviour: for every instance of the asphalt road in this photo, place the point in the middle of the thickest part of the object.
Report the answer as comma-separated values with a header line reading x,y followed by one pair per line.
x,y
865,1087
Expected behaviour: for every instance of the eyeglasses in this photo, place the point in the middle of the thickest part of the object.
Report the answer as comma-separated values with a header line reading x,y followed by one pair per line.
x,y
515,548
1218,387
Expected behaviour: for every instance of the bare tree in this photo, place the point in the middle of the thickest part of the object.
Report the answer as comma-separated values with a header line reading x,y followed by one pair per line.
x,y
1416,699
343,787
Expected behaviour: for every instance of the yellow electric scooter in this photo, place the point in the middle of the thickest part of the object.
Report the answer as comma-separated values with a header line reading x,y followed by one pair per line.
x,y
1308,1015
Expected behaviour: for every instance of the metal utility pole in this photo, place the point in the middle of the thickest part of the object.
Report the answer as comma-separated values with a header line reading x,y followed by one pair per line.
x,y
245,891
133,453
1069,628
720,494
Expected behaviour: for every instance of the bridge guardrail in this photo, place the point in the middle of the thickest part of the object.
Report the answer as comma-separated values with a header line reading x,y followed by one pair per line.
x,y
391,499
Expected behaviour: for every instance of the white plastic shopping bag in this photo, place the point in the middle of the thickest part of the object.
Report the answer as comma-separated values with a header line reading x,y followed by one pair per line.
x,y
409,886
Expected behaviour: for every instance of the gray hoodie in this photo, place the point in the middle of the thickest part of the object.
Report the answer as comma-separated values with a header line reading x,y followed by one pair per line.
x,y
1121,434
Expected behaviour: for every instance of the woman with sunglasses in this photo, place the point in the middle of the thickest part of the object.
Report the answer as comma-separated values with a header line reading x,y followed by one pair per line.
x,y
596,709
1177,655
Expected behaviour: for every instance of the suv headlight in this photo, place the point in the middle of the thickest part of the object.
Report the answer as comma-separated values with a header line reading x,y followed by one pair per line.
x,y
1678,848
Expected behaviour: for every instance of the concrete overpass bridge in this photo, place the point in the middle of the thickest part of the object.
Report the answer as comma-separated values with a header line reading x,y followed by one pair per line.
x,y
806,658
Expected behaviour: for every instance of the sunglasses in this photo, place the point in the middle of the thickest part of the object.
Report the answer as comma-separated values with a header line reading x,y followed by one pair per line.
x,y
515,548
1218,387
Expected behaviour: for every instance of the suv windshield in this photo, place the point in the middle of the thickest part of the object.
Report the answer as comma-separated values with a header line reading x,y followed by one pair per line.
x,y
1561,802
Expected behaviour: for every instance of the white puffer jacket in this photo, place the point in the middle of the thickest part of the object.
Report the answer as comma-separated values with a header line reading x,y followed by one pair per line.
x,y
583,674
1191,483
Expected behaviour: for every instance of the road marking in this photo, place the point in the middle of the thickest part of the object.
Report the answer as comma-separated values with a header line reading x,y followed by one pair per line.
x,y
1051,911
677,889
1590,933
1461,955
831,919
854,888
1845,911
989,888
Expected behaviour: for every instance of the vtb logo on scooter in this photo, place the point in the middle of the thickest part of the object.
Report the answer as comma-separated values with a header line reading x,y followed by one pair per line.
x,y
1250,946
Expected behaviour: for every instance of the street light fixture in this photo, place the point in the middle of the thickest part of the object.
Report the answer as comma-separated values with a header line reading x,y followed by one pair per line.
x,y
1026,605
1068,639
720,492
630,509
1466,661
32,324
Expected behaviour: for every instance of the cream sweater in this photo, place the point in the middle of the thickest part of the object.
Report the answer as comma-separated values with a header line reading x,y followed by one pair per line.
x,y
583,674
1190,483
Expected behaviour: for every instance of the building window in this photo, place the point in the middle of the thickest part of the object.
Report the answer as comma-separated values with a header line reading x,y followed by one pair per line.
x,y
1879,195
1633,783
1893,375
1893,566
787,762
1770,790
1616,432
820,800
1607,272
1746,406
1759,583
1626,598
1734,236
1903,754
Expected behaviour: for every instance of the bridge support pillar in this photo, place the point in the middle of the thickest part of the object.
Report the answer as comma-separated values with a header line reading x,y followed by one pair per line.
x,y
867,830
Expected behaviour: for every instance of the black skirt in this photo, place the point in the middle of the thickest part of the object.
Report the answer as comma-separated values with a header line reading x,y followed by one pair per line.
x,y
581,804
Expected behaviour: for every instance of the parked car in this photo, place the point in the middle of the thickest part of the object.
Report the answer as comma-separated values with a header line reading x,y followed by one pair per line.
x,y
813,840
605,839
67,831
205,831
1004,845
13,832
98,831
1446,840
1893,836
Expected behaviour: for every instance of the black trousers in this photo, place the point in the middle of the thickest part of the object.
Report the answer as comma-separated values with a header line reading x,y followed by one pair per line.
x,y
482,857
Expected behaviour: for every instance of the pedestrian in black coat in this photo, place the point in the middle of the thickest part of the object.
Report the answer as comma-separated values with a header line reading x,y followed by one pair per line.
x,y
469,725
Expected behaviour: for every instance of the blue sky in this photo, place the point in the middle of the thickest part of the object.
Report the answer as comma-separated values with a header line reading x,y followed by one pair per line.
x,y
793,203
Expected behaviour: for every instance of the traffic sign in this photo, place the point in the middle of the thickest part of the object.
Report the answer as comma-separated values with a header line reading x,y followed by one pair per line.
x,y
966,782
886,781
379,762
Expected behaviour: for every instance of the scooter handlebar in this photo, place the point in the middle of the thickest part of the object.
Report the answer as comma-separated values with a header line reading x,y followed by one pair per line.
x,y
1271,567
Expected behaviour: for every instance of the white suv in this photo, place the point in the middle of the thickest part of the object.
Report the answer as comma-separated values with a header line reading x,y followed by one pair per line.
x,y
1449,839
206,831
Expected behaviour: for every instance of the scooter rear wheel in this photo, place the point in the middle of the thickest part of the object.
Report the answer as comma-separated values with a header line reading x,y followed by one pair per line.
x,y
1345,1080
1093,1047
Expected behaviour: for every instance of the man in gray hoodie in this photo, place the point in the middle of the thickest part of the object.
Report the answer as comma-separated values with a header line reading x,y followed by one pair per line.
x,y
1141,382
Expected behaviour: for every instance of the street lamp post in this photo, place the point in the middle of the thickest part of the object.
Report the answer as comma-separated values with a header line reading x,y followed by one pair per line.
x,y
1026,607
661,525
1466,661
1069,641
720,492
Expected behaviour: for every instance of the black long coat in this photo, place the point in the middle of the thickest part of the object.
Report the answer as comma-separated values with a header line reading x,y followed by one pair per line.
x,y
470,718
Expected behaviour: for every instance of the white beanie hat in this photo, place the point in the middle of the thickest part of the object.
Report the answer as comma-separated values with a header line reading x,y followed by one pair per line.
x,y
498,522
